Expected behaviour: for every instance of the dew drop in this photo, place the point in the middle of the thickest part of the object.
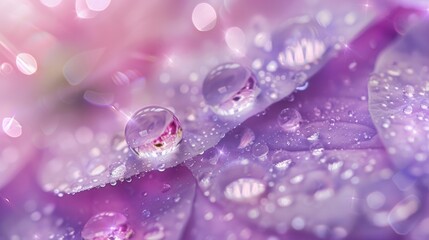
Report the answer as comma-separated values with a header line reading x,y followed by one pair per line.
x,y
230,89
316,149
204,17
289,119
409,91
244,189
281,160
11,127
236,40
6,68
26,63
107,225
153,132
260,150
408,110
154,232
299,45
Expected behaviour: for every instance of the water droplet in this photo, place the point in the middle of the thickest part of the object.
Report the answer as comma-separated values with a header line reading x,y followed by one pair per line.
x,y
244,189
236,40
153,132
260,150
230,88
316,149
281,160
98,5
289,119
154,232
11,127
51,3
394,71
409,91
299,44
408,110
6,68
298,223
204,17
166,187
107,225
375,200
26,63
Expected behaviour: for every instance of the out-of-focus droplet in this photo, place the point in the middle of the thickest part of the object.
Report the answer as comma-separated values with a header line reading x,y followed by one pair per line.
x,y
401,212
26,63
80,66
204,17
299,44
51,3
281,160
154,232
244,189
153,132
289,119
98,5
98,98
230,88
107,225
6,68
236,40
246,139
11,127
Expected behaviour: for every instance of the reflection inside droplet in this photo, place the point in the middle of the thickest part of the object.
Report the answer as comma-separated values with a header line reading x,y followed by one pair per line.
x,y
244,189
153,132
107,225
230,88
289,119
299,44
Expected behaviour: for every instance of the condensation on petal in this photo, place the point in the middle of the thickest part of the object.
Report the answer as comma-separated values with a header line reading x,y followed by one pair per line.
x,y
398,93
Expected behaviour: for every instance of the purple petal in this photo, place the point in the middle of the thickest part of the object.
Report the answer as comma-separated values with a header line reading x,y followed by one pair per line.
x,y
294,181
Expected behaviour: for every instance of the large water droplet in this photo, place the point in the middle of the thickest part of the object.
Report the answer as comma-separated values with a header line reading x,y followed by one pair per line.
x,y
107,225
299,44
230,88
289,119
153,132
244,189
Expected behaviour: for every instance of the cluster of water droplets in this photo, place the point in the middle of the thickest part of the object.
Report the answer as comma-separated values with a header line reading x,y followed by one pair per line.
x,y
207,99
399,101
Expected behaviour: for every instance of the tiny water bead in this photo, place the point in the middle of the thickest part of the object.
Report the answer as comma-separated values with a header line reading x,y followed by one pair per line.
x,y
230,89
153,132
299,44
107,225
289,119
